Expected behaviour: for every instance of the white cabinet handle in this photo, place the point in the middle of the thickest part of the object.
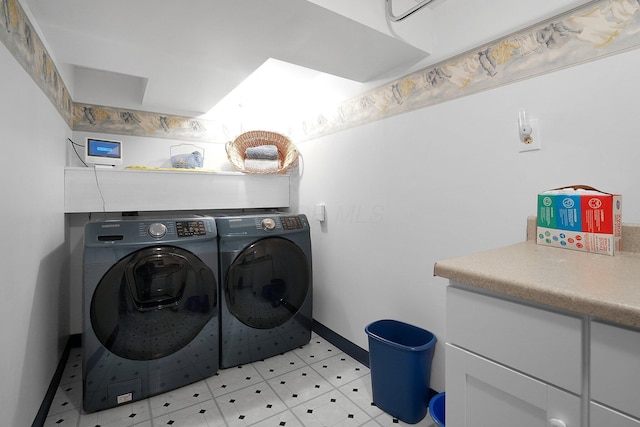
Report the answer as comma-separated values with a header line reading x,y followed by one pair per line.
x,y
554,422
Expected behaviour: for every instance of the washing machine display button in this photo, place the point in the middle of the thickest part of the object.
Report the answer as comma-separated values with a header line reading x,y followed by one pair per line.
x,y
268,224
190,228
291,223
157,230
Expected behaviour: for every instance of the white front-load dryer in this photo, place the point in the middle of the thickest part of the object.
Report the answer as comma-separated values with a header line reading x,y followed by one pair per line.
x,y
266,292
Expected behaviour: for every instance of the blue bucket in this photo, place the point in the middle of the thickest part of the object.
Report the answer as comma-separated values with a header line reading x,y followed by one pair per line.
x,y
437,408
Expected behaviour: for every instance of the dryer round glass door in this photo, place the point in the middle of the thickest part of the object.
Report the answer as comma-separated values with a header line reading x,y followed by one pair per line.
x,y
153,302
267,283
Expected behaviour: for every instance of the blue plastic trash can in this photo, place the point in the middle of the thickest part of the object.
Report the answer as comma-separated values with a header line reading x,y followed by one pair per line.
x,y
437,409
400,357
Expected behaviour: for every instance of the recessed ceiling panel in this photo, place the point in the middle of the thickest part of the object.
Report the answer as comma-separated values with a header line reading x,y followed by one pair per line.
x,y
194,53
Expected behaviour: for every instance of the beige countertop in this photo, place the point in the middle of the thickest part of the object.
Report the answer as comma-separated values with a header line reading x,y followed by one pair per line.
x,y
605,287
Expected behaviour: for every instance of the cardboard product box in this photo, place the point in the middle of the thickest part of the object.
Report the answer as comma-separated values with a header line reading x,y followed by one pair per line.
x,y
581,218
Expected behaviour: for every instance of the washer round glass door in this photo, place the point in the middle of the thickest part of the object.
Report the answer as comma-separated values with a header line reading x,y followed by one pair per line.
x,y
153,302
267,283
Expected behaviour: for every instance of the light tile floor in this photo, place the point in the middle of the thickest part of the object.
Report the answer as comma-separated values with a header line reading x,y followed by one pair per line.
x,y
314,385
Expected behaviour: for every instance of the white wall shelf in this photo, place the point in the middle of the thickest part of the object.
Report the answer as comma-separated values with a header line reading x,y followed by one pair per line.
x,y
122,190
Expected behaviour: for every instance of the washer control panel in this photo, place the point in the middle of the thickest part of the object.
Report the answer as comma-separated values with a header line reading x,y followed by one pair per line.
x,y
190,228
141,230
182,228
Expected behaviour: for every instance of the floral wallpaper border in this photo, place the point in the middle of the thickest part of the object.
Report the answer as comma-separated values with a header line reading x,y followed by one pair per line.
x,y
598,29
99,118
18,35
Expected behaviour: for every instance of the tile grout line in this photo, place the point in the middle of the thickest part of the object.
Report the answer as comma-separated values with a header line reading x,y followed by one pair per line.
x,y
308,361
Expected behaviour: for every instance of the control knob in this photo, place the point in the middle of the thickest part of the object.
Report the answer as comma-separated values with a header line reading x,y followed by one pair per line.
x,y
268,224
157,230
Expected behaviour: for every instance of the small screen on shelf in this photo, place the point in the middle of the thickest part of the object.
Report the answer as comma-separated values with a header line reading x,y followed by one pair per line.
x,y
103,152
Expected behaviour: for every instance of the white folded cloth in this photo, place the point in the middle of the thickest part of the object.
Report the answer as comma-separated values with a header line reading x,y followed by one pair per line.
x,y
267,152
261,165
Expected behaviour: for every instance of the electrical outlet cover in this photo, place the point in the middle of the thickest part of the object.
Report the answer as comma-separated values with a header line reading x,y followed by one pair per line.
x,y
535,135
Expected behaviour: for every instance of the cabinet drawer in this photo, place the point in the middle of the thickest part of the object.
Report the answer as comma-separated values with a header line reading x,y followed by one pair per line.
x,y
483,393
544,344
604,417
615,367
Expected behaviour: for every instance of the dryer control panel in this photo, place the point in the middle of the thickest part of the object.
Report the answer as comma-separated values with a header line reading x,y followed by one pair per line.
x,y
260,225
291,223
287,223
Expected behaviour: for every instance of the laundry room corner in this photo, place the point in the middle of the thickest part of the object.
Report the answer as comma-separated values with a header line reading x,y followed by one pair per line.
x,y
448,180
34,323
190,270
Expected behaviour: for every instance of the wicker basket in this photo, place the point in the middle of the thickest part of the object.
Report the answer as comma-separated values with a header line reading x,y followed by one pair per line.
x,y
287,153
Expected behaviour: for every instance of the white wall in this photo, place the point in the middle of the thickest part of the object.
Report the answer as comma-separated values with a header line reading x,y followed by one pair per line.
x,y
33,255
446,181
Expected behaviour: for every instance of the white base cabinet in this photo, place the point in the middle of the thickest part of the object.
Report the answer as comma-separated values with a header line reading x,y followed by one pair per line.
x,y
482,393
541,343
512,363
614,375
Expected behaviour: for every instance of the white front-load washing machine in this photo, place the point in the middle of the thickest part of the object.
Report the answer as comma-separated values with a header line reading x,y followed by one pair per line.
x,y
150,307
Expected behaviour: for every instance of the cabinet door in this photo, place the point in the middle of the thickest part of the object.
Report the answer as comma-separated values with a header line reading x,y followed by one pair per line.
x,y
615,367
604,417
482,393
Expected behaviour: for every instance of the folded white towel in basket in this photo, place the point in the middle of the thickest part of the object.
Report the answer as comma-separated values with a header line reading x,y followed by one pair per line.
x,y
261,165
267,152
